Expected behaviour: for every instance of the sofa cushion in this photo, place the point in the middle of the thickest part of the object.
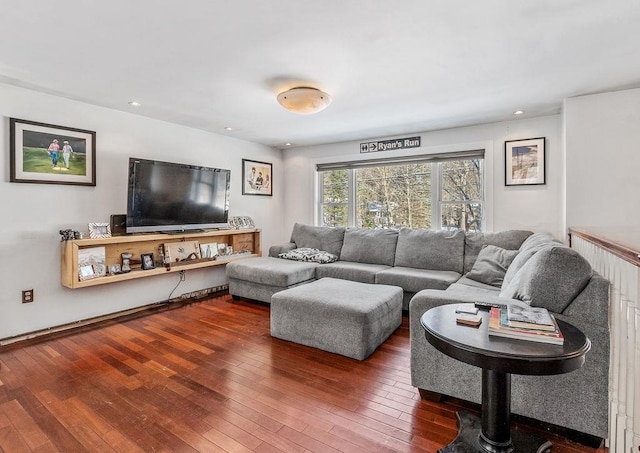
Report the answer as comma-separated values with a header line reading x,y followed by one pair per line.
x,y
271,271
309,255
347,270
468,286
363,245
328,239
413,280
491,265
551,278
430,249
473,243
524,256
538,239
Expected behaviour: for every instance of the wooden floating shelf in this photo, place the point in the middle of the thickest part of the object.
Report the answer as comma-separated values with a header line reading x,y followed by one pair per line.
x,y
242,240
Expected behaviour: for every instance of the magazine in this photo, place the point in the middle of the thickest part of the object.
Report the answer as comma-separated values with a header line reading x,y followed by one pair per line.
x,y
530,317
499,327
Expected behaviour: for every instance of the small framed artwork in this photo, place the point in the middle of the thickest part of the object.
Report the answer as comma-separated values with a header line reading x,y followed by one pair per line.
x,y
99,230
49,154
115,269
256,178
524,162
209,250
147,262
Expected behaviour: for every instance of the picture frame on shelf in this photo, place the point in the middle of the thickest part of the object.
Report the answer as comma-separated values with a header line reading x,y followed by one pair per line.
x,y
50,154
257,178
115,269
147,262
99,230
91,263
209,250
525,162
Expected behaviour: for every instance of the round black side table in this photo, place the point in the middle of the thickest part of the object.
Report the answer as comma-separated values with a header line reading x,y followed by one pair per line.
x,y
499,358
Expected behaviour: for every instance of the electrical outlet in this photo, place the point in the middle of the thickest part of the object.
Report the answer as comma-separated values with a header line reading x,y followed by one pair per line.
x,y
27,296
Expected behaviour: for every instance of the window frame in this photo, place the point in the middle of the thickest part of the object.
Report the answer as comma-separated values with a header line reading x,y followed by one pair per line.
x,y
486,164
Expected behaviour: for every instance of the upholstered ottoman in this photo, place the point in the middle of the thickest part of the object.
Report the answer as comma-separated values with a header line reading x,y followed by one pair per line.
x,y
340,316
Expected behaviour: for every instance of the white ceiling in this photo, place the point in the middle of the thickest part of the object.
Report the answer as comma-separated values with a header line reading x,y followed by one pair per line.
x,y
392,67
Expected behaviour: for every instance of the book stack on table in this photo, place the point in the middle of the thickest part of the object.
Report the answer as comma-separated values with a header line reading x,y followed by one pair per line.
x,y
525,323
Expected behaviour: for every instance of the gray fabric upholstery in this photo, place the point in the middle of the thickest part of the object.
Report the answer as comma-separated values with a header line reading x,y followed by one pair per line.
x,y
576,400
271,271
339,316
473,243
321,238
276,250
473,287
256,291
430,249
538,239
491,265
362,245
414,280
551,278
521,259
357,272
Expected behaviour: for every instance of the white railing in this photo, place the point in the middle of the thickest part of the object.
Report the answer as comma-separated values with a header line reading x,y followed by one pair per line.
x,y
624,315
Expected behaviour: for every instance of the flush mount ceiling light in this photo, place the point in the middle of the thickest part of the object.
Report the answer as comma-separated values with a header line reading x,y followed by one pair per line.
x,y
304,100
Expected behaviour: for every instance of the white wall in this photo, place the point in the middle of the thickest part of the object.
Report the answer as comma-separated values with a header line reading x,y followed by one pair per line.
x,y
603,160
536,208
32,214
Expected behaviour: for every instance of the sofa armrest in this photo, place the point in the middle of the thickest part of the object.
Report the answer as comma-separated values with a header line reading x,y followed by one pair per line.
x,y
275,250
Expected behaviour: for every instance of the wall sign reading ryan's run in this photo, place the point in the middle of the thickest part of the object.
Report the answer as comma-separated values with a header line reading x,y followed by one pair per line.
x,y
389,145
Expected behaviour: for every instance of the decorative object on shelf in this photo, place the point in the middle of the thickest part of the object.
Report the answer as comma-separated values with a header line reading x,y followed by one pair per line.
x,y
91,263
256,178
241,222
304,100
49,154
69,235
222,249
181,251
99,230
147,262
126,262
209,250
524,162
115,269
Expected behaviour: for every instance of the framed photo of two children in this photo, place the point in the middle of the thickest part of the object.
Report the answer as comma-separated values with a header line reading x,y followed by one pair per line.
x,y
49,154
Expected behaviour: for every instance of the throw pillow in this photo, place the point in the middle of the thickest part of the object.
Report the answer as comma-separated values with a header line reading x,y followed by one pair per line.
x,y
552,278
309,255
491,265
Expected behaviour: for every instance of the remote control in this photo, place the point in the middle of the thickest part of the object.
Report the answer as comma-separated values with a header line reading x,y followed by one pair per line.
x,y
489,305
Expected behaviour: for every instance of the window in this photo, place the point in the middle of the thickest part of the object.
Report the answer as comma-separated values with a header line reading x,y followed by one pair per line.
x,y
437,192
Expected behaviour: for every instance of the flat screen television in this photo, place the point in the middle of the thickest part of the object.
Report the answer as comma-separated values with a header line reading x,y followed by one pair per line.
x,y
172,197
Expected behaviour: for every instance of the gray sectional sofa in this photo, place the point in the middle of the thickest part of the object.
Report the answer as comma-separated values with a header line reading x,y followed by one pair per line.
x,y
445,267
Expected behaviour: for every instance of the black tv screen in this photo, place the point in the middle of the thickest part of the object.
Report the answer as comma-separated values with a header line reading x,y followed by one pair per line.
x,y
166,196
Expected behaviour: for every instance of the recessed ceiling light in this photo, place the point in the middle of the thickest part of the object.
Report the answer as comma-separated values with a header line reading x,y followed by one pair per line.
x,y
287,144
134,103
519,112
228,128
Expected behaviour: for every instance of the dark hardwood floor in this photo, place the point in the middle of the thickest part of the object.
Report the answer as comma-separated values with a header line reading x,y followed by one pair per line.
x,y
208,377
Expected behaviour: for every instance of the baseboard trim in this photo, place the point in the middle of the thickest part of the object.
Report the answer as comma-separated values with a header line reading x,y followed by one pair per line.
x,y
142,310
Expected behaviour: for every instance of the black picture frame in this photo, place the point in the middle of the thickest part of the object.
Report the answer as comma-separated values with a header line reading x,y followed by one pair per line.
x,y
257,178
147,262
525,162
38,154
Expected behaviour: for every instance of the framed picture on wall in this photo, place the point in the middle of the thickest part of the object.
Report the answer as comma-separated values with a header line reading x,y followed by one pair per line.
x,y
256,178
50,154
524,162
